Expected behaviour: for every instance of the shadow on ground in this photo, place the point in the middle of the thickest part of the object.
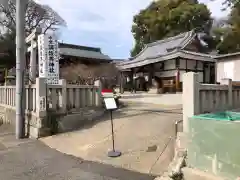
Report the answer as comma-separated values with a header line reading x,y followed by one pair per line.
x,y
123,112
31,159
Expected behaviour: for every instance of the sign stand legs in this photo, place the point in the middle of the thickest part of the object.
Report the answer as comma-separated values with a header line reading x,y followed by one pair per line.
x,y
113,152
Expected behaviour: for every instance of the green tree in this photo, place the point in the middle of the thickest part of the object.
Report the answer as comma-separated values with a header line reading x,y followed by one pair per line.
x,y
8,48
230,32
165,18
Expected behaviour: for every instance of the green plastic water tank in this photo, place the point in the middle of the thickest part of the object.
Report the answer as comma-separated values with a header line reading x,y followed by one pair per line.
x,y
220,116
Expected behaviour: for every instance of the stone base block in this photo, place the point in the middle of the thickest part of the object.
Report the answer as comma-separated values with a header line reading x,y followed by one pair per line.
x,y
36,133
78,119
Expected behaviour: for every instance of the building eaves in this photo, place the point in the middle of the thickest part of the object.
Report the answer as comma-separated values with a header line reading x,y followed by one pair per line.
x,y
197,54
177,53
221,56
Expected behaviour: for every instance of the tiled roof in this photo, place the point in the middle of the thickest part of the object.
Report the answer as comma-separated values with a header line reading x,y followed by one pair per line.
x,y
166,49
164,46
83,53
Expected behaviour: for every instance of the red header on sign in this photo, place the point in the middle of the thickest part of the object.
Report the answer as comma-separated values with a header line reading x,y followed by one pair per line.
x,y
107,90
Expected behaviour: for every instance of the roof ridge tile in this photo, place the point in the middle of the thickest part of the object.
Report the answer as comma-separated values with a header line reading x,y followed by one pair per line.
x,y
181,35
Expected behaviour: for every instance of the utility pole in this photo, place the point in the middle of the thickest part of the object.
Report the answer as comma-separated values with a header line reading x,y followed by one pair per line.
x,y
20,61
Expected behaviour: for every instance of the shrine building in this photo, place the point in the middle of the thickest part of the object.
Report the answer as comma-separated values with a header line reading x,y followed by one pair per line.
x,y
161,64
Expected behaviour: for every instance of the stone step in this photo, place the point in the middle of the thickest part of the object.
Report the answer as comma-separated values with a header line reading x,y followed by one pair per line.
x,y
194,174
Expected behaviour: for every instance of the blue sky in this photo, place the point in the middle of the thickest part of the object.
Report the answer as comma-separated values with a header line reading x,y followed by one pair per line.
x,y
106,23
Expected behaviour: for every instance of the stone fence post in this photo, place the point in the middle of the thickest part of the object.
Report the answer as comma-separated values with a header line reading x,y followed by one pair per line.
x,y
230,93
38,123
98,83
190,98
63,99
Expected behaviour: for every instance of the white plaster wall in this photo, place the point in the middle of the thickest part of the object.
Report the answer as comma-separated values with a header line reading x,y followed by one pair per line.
x,y
172,73
200,76
181,75
200,65
220,71
183,63
191,64
169,73
224,69
170,64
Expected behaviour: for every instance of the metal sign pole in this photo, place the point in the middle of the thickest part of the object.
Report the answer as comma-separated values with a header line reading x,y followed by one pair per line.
x,y
113,143
113,152
110,105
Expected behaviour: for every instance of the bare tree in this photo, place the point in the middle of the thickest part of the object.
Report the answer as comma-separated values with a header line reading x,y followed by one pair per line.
x,y
86,74
36,16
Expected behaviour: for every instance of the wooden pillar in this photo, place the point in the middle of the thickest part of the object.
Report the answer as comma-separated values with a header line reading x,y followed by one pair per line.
x,y
204,72
177,80
151,74
122,80
132,80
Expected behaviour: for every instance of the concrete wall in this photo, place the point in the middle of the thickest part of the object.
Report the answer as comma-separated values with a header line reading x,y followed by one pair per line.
x,y
213,147
228,68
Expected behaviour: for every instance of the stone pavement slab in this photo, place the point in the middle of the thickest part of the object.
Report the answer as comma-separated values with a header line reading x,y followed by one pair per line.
x,y
136,131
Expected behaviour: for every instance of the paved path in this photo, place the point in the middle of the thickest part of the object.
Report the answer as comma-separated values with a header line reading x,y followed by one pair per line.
x,y
32,160
157,99
142,133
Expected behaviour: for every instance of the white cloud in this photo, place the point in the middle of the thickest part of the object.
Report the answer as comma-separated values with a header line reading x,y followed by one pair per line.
x,y
115,15
108,16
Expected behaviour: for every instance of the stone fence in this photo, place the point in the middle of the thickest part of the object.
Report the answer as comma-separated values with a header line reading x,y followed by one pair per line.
x,y
200,98
47,103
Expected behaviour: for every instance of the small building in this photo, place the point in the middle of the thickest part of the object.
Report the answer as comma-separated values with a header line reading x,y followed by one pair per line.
x,y
82,64
71,53
161,64
227,66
